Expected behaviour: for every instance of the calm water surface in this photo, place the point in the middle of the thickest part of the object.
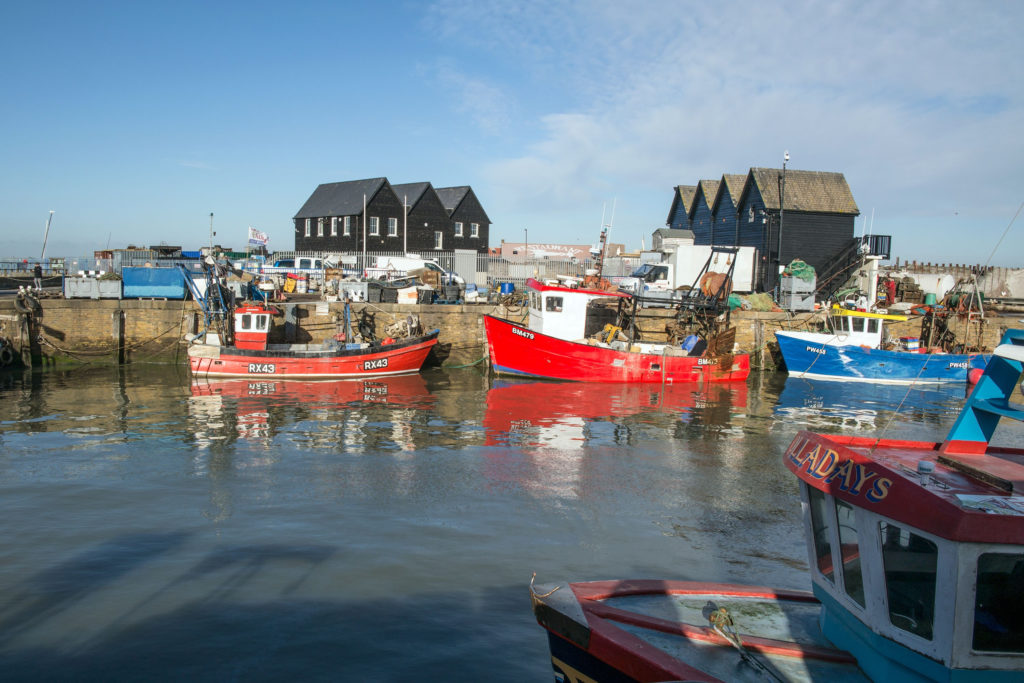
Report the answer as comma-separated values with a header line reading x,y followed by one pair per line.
x,y
382,530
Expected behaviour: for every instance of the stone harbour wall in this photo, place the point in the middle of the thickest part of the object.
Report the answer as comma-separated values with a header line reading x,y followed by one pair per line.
x,y
139,331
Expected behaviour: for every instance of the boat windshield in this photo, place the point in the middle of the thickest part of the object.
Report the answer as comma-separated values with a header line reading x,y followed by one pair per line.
x,y
999,603
910,563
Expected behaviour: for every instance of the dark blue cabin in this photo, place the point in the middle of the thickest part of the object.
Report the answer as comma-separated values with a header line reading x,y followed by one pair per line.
x,y
700,214
679,212
724,228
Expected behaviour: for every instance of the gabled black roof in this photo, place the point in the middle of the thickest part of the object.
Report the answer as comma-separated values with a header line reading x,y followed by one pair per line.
x,y
451,197
340,199
411,191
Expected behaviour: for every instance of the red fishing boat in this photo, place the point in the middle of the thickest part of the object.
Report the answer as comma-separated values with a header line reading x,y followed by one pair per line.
x,y
579,334
916,554
252,356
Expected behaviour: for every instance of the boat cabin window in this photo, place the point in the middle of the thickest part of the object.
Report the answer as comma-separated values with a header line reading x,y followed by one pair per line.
x,y
857,324
535,300
553,303
252,321
873,325
909,562
853,579
820,532
999,603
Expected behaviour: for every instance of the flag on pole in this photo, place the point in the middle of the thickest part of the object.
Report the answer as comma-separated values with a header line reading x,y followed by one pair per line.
x,y
257,238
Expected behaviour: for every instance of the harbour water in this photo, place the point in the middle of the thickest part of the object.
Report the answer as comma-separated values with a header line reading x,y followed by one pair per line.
x,y
381,530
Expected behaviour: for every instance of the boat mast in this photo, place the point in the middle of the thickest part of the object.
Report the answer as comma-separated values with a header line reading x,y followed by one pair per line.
x,y
46,234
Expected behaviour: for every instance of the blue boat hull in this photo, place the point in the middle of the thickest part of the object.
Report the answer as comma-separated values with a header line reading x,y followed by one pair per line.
x,y
805,358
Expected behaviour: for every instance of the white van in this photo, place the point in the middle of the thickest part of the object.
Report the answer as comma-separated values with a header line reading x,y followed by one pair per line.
x,y
391,267
304,263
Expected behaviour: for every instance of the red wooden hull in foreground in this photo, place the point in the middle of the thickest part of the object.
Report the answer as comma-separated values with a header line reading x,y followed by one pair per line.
x,y
312,361
618,631
517,350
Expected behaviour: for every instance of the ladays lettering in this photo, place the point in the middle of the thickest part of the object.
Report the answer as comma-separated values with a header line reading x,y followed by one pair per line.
x,y
854,478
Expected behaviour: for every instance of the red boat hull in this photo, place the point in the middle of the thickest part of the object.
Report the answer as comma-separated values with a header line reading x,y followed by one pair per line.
x,y
377,360
517,350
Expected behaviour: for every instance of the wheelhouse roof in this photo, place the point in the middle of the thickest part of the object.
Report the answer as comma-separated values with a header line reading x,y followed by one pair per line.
x,y
965,498
542,287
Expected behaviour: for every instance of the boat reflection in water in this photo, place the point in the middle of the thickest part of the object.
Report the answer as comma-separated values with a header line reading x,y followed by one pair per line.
x,y
262,407
823,403
542,434
560,414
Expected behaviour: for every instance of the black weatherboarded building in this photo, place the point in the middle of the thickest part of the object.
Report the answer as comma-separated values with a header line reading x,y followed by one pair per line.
x,y
806,215
376,216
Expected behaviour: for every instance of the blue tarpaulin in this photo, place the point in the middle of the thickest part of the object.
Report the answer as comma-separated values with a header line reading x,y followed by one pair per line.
x,y
162,283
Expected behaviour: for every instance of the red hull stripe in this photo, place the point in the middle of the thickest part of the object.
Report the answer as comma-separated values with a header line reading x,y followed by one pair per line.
x,y
604,590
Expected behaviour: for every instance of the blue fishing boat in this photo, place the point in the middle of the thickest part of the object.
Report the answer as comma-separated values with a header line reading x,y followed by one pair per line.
x,y
916,559
854,351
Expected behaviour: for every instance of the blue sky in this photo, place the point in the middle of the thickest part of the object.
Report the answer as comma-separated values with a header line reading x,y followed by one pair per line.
x,y
134,121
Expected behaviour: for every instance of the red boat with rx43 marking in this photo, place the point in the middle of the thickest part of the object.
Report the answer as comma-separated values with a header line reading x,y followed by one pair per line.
x,y
403,351
592,335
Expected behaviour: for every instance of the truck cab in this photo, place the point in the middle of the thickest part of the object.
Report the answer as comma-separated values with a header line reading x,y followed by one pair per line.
x,y
649,276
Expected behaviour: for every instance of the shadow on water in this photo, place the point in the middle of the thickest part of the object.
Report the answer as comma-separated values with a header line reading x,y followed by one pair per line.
x,y
57,589
439,636
245,562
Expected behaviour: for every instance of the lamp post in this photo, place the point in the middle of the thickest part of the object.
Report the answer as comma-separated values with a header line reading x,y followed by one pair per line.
x,y
212,233
405,225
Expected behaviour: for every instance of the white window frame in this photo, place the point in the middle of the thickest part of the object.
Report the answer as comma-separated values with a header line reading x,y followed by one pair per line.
x,y
309,226
346,226
375,226
392,227
474,229
438,239
334,226
319,227
458,228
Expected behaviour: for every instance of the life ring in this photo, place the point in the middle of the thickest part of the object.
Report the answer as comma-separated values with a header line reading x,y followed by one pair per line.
x,y
6,355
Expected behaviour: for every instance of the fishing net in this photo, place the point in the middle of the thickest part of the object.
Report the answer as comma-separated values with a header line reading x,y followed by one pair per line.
x,y
800,269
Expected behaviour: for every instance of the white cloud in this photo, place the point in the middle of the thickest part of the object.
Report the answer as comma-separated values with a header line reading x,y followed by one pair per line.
x,y
483,102
913,102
